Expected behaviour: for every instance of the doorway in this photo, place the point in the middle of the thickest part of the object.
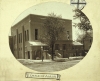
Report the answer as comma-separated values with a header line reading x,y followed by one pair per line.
x,y
28,54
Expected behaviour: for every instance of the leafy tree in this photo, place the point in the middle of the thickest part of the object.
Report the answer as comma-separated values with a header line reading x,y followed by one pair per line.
x,y
84,23
81,36
53,29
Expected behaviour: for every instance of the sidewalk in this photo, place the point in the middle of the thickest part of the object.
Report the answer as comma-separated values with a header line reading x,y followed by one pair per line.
x,y
76,58
29,61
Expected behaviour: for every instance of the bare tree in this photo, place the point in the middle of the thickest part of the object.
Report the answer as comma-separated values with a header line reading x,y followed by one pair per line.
x,y
53,29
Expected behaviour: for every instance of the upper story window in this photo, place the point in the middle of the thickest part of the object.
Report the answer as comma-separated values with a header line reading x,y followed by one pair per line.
x,y
36,34
68,35
15,39
19,37
25,35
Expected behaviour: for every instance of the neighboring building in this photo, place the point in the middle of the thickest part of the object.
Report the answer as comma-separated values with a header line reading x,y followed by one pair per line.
x,y
26,33
77,49
68,48
87,42
11,43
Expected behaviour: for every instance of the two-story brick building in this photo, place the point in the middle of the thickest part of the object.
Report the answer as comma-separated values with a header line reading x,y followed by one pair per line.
x,y
26,33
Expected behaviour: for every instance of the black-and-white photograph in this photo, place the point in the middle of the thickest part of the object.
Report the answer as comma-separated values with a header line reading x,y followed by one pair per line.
x,y
49,37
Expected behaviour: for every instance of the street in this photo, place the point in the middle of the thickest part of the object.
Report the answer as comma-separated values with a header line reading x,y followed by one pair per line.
x,y
51,66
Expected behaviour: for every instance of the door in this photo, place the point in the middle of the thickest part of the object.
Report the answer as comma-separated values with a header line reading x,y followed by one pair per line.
x,y
28,54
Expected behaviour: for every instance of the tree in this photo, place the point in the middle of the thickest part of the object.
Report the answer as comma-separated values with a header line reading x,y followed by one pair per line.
x,y
84,23
80,37
53,29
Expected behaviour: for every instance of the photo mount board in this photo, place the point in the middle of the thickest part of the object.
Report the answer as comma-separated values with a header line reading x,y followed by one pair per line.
x,y
89,67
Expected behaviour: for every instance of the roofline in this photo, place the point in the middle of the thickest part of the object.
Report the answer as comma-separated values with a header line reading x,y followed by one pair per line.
x,y
49,16
64,40
77,45
20,21
36,15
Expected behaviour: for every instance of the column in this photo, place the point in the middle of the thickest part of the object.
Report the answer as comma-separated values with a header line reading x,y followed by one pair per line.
x,y
23,44
17,51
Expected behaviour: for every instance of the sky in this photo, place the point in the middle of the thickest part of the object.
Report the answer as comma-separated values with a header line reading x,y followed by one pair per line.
x,y
63,9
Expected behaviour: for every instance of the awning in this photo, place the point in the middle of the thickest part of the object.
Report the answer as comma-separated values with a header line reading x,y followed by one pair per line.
x,y
33,43
77,43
